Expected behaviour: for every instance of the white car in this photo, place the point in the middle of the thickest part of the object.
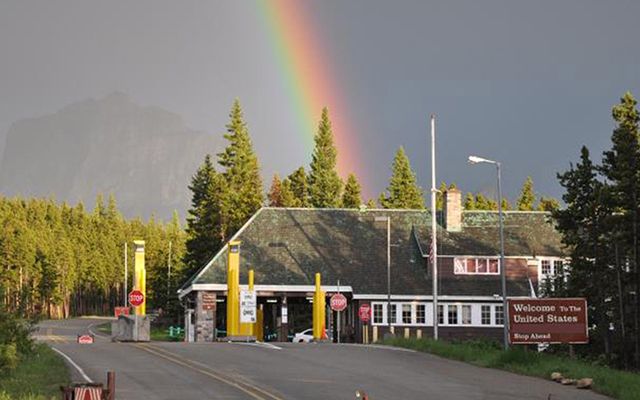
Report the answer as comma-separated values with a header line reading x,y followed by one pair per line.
x,y
303,337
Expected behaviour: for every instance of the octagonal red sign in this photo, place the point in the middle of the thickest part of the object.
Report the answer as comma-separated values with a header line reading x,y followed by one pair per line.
x,y
338,302
136,298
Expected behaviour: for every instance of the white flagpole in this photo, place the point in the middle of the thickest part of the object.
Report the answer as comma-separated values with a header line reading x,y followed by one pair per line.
x,y
434,249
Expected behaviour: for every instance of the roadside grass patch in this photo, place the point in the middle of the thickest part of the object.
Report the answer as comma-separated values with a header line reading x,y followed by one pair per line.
x,y
621,385
38,376
104,328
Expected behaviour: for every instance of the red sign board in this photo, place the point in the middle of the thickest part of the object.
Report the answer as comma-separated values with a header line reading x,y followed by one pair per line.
x,y
547,321
118,311
338,302
136,298
364,312
85,339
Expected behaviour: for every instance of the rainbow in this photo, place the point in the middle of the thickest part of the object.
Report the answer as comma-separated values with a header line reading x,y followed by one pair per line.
x,y
307,75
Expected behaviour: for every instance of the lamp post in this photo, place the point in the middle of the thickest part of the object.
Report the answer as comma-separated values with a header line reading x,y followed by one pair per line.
x,y
505,316
387,219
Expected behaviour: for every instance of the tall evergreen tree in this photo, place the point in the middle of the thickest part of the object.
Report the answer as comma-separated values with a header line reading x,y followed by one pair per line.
x,y
527,197
275,192
203,228
324,183
244,193
351,197
403,190
299,188
548,204
620,166
286,195
583,224
469,201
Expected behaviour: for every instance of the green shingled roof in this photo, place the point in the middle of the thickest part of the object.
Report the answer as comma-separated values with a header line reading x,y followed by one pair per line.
x,y
288,246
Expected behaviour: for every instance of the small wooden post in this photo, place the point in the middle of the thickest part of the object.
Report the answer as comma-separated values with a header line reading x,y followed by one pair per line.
x,y
111,385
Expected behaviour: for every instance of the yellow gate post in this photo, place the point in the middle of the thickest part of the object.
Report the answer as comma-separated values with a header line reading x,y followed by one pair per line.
x,y
318,311
140,276
233,289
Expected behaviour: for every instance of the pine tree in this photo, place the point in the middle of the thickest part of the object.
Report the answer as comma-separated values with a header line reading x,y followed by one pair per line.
x,y
440,195
324,183
244,193
403,190
469,201
620,167
583,224
352,197
203,228
485,203
286,194
548,204
275,192
527,197
299,188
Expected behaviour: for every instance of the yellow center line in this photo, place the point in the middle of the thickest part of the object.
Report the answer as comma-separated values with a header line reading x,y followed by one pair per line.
x,y
249,389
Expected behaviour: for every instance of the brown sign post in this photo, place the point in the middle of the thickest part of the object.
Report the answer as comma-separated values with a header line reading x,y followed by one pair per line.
x,y
533,321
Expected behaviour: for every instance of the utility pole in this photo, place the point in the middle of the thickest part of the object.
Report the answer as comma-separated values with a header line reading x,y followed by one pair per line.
x,y
434,228
169,271
126,275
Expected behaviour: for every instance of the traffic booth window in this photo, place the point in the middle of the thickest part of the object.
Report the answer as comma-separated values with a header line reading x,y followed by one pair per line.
x,y
377,314
420,314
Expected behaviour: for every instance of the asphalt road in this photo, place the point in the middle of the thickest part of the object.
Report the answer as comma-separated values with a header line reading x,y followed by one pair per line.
x,y
285,371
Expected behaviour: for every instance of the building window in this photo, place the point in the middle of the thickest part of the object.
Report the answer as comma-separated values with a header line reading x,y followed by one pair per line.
x,y
558,267
421,313
466,314
476,266
406,313
377,314
545,267
485,315
392,314
499,316
453,314
440,314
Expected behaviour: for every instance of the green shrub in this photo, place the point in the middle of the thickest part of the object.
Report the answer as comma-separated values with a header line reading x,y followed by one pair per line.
x,y
8,357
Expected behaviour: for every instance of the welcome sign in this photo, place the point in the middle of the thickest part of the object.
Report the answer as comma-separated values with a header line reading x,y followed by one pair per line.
x,y
534,321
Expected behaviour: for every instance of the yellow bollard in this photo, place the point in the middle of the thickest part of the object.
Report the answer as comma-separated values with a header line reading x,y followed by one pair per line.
x,y
233,289
318,311
140,276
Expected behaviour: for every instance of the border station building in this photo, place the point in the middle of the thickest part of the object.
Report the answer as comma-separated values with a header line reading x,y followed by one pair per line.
x,y
287,246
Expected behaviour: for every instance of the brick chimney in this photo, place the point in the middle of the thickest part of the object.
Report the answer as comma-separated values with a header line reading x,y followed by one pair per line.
x,y
453,210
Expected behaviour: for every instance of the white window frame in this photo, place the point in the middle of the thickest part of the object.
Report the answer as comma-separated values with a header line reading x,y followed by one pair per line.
x,y
466,260
476,314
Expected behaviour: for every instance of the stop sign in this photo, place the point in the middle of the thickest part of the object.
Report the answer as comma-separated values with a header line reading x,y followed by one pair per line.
x,y
364,312
136,298
338,302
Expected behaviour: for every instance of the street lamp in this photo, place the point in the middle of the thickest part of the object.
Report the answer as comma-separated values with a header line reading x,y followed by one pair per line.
x,y
387,219
479,160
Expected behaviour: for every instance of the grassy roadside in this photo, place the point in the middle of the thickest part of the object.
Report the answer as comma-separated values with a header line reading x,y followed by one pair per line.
x,y
37,377
159,334
618,384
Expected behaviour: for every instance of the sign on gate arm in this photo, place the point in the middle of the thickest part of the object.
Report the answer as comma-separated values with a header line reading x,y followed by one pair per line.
x,y
136,298
338,302
85,339
364,312
534,321
118,311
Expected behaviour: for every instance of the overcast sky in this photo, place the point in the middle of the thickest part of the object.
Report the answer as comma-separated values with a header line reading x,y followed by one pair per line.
x,y
524,82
